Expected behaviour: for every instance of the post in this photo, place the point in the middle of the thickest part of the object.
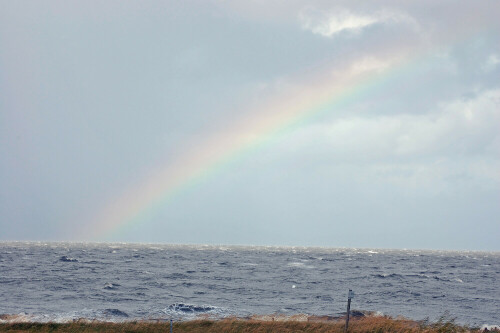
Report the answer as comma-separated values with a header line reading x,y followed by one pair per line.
x,y
350,295
171,325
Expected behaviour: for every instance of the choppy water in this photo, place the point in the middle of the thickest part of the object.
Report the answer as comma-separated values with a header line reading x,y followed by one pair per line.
x,y
59,281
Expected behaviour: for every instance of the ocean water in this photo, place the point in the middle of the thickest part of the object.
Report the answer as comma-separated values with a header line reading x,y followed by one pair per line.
x,y
116,282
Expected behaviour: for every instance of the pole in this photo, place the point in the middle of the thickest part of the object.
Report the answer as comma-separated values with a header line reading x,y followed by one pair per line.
x,y
349,296
171,325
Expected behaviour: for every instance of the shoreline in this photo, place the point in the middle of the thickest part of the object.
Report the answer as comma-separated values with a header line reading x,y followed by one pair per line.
x,y
256,323
357,325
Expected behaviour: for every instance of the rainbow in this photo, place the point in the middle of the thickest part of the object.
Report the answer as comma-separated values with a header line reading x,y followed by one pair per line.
x,y
326,92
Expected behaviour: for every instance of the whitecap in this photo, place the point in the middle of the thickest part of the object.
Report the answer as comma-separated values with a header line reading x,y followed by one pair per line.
x,y
299,265
190,311
111,286
296,264
489,327
67,259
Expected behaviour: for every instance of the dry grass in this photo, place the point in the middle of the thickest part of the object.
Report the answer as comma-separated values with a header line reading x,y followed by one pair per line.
x,y
367,324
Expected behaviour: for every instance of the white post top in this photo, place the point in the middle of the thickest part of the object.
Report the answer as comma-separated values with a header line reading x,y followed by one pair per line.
x,y
350,294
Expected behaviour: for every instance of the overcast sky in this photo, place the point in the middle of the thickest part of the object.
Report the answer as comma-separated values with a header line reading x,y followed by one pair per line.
x,y
103,102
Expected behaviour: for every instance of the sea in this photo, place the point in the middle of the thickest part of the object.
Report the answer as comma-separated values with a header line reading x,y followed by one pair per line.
x,y
60,282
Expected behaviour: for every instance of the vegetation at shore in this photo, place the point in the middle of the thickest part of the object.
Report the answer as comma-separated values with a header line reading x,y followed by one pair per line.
x,y
234,325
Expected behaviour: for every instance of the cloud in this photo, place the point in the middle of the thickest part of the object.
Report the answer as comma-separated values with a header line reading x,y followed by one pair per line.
x,y
456,128
491,63
456,143
369,64
329,24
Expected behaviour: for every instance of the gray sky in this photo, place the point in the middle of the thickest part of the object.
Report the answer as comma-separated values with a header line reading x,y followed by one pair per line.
x,y
111,110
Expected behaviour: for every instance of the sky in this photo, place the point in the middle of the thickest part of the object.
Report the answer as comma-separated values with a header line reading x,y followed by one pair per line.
x,y
299,123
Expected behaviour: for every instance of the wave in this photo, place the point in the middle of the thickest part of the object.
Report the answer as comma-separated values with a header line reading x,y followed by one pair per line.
x,y
384,276
180,307
111,286
67,259
105,315
299,265
189,311
115,313
487,327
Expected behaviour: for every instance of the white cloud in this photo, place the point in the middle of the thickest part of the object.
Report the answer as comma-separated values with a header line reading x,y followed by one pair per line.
x,y
329,24
455,128
458,143
369,64
491,63
433,177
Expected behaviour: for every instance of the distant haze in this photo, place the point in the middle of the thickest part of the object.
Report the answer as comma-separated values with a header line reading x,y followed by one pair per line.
x,y
308,123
